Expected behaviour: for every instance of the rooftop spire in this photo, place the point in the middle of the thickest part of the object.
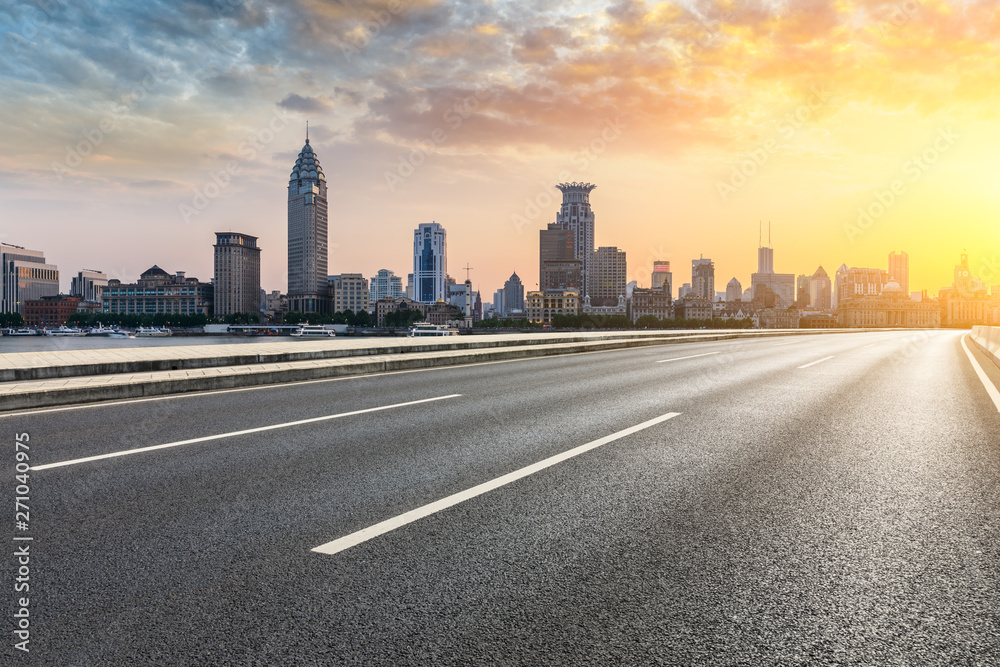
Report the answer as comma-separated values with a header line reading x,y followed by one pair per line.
x,y
307,132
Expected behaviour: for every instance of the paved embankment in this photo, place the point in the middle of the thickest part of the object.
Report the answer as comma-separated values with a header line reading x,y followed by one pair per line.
x,y
32,380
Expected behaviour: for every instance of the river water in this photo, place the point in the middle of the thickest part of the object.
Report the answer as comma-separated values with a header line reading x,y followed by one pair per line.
x,y
12,344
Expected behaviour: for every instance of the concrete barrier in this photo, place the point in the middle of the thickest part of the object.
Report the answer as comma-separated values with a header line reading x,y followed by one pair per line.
x,y
988,340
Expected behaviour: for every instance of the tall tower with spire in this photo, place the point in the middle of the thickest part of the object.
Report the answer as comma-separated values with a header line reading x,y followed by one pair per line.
x,y
308,245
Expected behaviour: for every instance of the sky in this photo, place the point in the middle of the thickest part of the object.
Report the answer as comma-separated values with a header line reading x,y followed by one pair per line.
x,y
131,132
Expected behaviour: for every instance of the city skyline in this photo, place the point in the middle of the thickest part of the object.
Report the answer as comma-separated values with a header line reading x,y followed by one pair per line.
x,y
731,117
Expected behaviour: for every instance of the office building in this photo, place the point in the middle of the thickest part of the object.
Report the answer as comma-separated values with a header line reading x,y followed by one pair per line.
x,y
734,291
891,307
802,292
656,302
608,271
308,251
385,285
157,291
541,307
820,296
662,278
430,263
88,285
858,282
349,291
558,266
899,270
24,275
50,311
703,278
237,274
576,216
781,285
513,294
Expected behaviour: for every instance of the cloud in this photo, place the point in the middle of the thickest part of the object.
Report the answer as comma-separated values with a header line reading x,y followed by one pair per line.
x,y
294,102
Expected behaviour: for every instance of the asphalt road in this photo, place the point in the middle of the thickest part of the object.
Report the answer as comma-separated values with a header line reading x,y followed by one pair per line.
x,y
829,499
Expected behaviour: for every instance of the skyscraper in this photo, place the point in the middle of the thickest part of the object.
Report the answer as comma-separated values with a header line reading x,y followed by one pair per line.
x,y
703,278
899,270
237,274
782,285
577,216
802,299
608,270
820,288
24,275
734,291
307,235
513,294
662,279
430,263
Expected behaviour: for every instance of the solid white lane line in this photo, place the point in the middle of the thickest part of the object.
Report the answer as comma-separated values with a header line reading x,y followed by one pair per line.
x,y
388,525
990,387
818,361
233,434
693,356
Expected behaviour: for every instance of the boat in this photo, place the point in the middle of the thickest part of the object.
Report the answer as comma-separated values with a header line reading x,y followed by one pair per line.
x,y
101,330
121,334
152,332
424,329
313,331
65,331
23,332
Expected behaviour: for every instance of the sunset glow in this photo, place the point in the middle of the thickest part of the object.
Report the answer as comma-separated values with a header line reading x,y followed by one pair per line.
x,y
133,132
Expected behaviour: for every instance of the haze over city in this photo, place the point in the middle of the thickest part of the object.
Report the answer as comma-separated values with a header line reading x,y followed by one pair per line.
x,y
697,121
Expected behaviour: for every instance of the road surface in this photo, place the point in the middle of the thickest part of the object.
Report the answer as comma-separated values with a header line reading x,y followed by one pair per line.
x,y
822,499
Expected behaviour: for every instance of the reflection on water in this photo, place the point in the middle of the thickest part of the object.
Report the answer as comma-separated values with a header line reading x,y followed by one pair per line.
x,y
11,344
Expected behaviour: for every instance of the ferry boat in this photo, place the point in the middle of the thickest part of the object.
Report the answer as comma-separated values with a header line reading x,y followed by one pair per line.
x,y
313,331
423,329
118,333
152,332
24,331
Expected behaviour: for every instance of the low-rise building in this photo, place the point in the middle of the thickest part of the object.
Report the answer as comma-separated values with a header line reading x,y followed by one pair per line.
x,y
777,318
157,291
892,308
50,311
385,306
541,307
655,302
694,308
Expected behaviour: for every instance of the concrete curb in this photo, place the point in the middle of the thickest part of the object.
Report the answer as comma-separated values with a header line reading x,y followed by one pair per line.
x,y
223,357
118,386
